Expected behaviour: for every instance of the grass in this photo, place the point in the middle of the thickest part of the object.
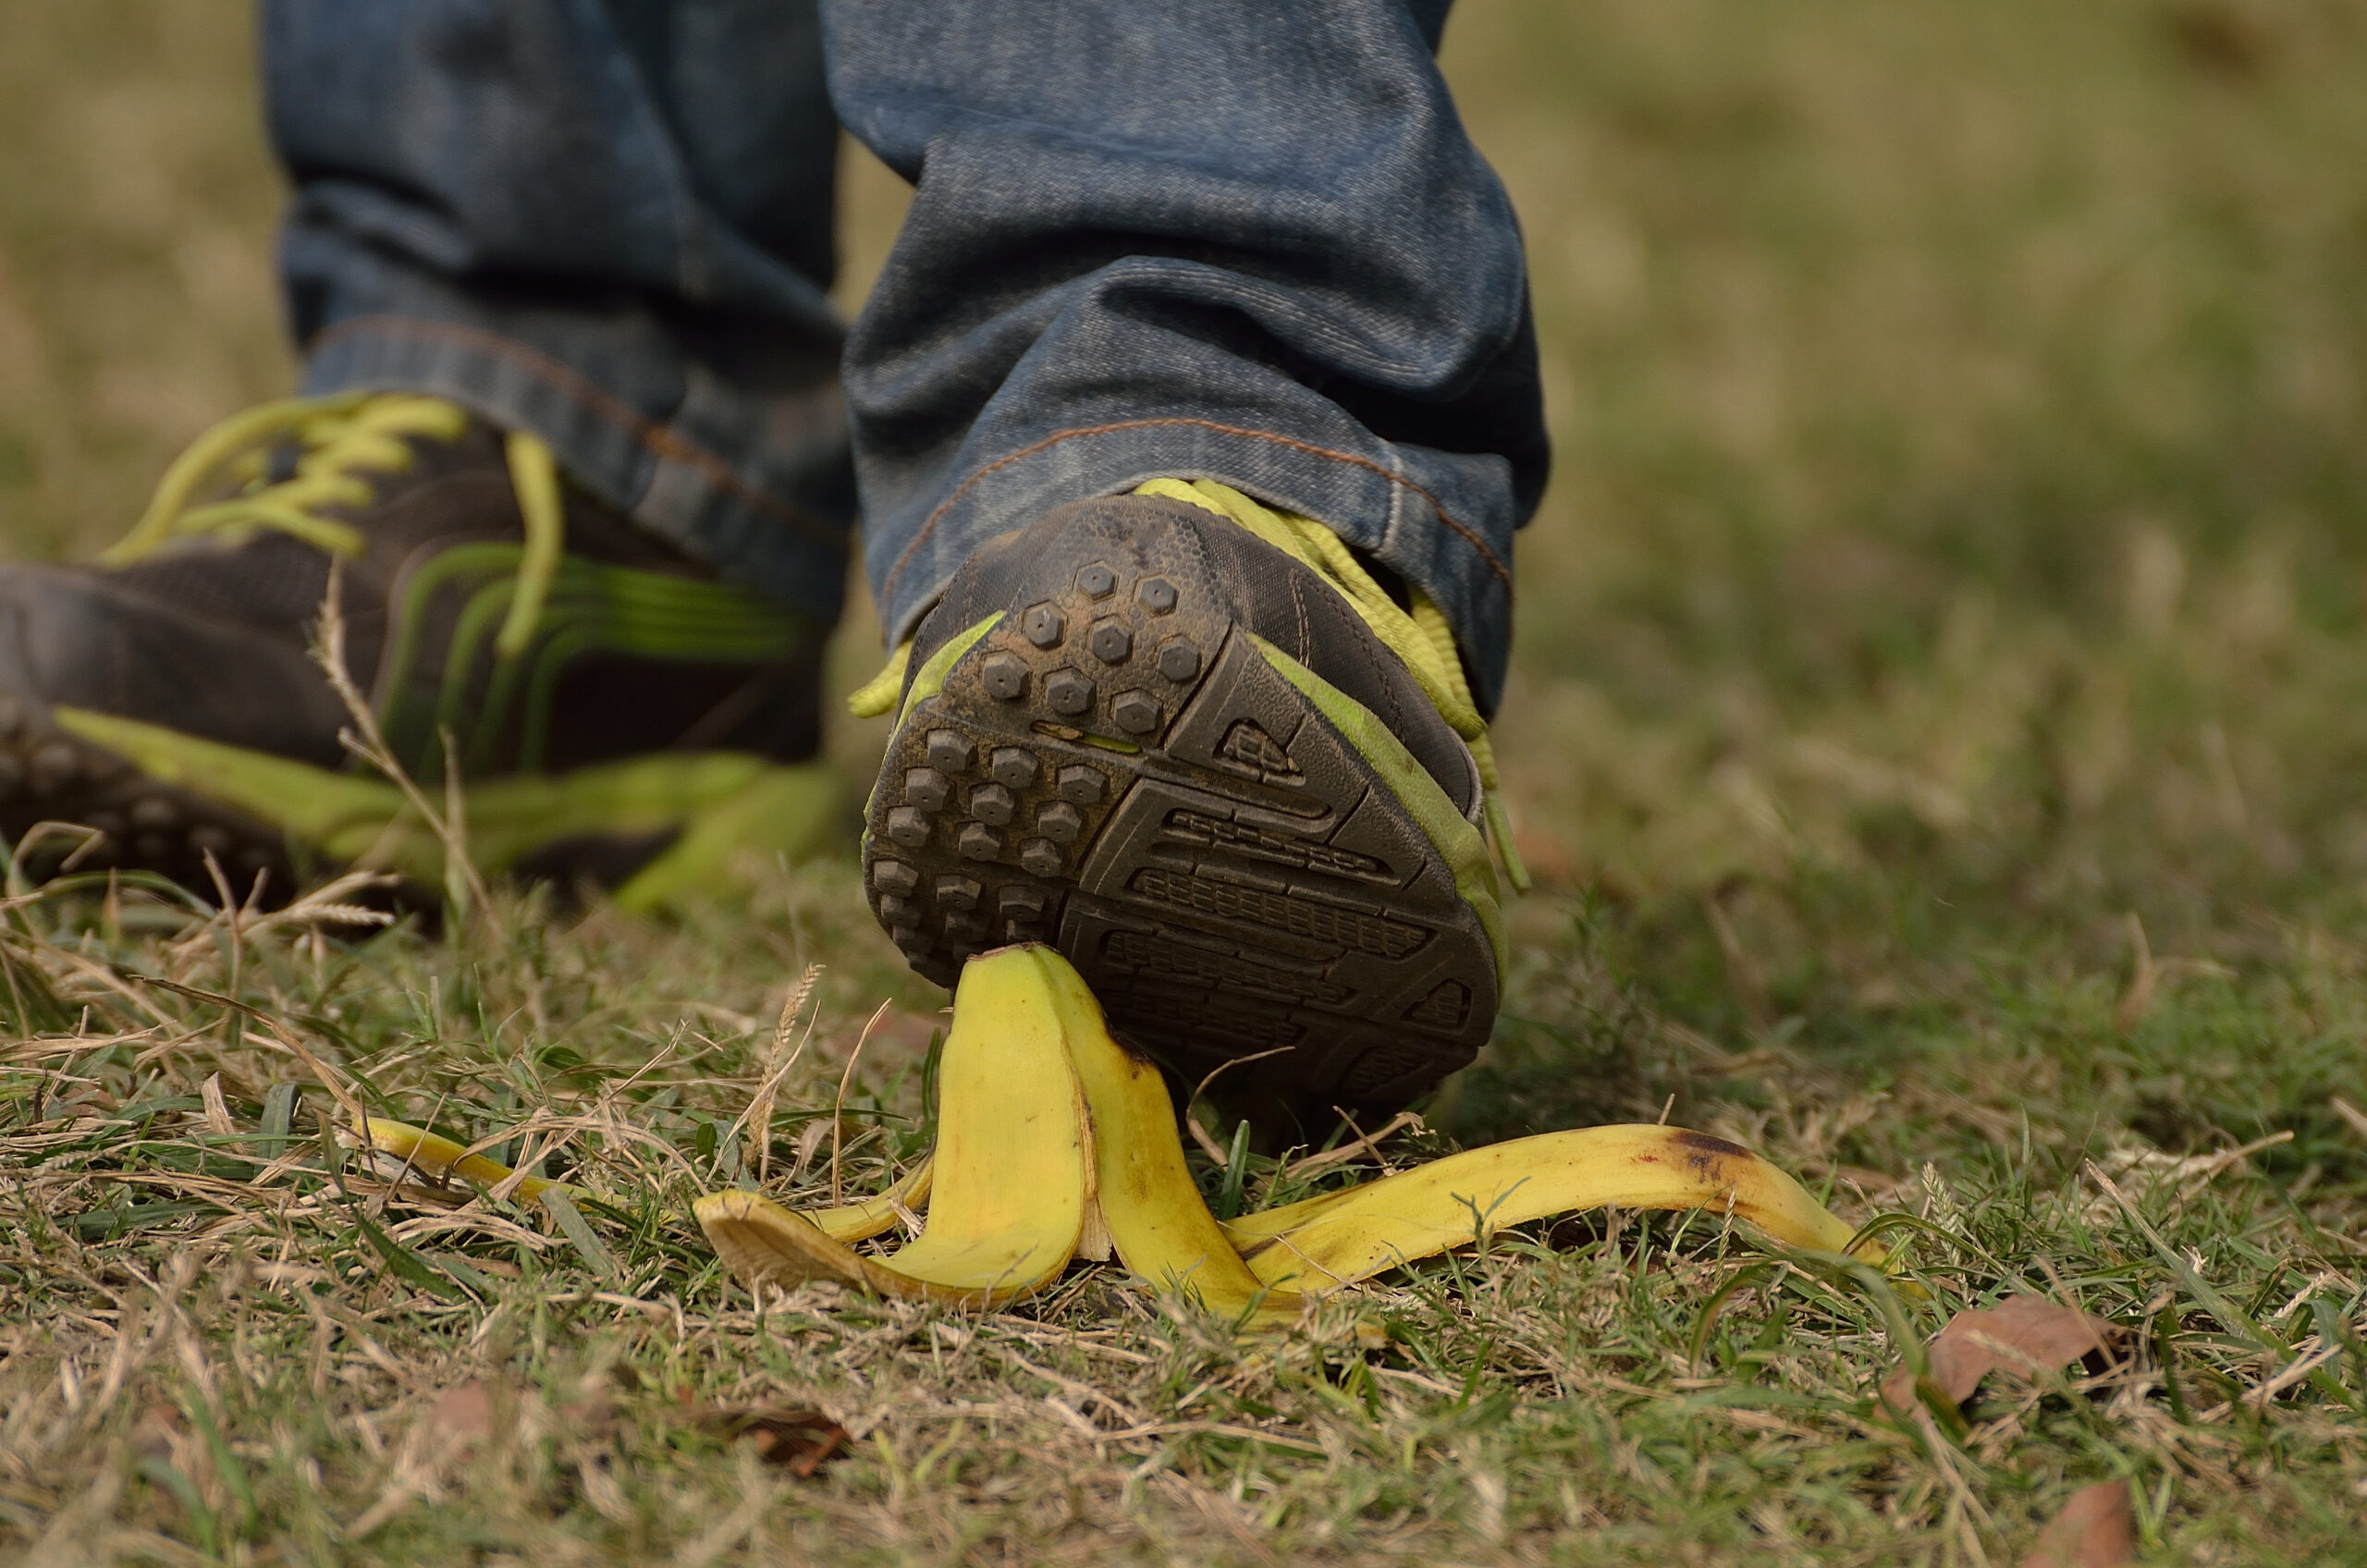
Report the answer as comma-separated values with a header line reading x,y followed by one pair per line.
x,y
1937,719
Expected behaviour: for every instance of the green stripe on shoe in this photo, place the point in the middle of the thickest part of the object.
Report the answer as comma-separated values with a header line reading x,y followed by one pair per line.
x,y
1463,845
718,803
588,606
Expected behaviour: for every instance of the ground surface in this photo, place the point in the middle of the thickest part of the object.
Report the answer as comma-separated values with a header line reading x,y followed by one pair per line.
x,y
1939,723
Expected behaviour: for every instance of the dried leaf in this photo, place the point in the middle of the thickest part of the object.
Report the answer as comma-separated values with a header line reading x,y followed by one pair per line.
x,y
2094,1530
217,1109
800,1440
2020,1335
464,1413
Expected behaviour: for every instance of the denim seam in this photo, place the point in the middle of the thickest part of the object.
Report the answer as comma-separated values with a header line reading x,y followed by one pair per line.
x,y
887,586
1388,533
661,441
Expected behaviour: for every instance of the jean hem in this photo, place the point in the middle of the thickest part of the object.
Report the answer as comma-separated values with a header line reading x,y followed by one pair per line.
x,y
678,489
1372,502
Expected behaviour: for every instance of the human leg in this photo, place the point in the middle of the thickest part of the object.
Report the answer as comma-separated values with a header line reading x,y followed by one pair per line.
x,y
1201,241
574,441
604,221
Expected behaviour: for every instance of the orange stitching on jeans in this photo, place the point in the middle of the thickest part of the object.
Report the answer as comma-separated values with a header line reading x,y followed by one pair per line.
x,y
662,440
886,587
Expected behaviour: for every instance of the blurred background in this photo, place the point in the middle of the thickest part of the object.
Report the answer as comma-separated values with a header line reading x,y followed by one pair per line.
x,y
1949,601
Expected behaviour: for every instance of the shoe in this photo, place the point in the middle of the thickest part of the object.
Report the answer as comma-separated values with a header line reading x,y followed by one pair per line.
x,y
1139,730
614,711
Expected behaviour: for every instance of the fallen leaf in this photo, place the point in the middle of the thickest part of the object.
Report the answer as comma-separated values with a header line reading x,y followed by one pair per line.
x,y
801,1441
217,1109
464,1413
2094,1530
2019,1335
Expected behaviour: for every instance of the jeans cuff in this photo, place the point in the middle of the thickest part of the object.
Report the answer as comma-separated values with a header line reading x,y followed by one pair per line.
x,y
1423,513
661,472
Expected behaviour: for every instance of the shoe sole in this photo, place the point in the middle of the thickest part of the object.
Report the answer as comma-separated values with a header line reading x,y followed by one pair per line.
x,y
50,777
1120,769
651,828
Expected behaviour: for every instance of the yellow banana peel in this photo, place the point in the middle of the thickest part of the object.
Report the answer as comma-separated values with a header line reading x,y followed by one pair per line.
x,y
1249,1232
1466,1197
440,1156
873,1217
1013,1171
1150,1206
1053,1139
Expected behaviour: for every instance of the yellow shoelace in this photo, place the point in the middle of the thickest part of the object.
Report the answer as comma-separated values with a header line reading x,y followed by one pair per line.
x,y
345,440
1419,637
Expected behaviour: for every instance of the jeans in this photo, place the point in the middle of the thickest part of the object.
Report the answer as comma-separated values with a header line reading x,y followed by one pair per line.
x,y
1221,238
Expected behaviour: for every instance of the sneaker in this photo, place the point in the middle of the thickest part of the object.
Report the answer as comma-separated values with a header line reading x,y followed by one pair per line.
x,y
613,711
1193,745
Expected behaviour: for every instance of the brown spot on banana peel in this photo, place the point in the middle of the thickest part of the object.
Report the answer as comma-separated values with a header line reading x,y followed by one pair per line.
x,y
1685,1138
1703,1154
1708,1156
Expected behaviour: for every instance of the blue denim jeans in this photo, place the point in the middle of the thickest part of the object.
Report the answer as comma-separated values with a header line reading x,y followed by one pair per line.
x,y
1220,238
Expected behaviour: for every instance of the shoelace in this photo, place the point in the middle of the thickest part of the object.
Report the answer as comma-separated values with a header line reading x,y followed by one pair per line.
x,y
346,441
1419,637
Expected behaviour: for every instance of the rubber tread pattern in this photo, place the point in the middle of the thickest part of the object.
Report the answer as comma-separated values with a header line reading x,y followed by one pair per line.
x,y
48,775
1223,868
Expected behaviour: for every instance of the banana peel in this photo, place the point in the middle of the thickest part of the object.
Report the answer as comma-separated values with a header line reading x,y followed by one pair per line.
x,y
440,1156
862,1220
1055,1143
1014,1169
1466,1197
1150,1207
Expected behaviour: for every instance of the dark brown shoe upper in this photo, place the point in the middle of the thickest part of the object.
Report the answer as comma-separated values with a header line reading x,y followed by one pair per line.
x,y
212,636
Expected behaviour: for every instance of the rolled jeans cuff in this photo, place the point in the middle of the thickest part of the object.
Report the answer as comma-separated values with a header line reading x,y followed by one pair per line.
x,y
1441,521
774,516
